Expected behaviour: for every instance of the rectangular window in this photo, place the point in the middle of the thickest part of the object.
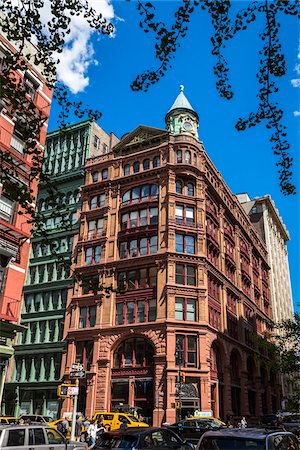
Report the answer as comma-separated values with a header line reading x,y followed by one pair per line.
x,y
153,216
133,248
124,221
179,307
133,219
191,309
143,217
153,244
190,244
89,255
179,276
185,244
179,243
185,274
135,312
143,246
120,314
186,350
179,213
189,212
130,312
123,250
83,317
141,312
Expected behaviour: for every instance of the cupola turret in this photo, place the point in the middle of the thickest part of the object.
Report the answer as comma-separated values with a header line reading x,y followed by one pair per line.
x,y
181,117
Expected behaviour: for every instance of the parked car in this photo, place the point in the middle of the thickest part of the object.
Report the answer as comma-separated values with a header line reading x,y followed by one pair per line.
x,y
192,430
34,437
113,420
8,420
270,420
141,438
292,423
33,418
246,439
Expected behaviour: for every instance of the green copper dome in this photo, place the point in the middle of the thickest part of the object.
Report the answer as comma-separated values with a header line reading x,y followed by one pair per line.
x,y
181,117
181,102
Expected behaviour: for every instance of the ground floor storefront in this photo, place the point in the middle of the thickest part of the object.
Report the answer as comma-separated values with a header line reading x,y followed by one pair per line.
x,y
167,373
31,398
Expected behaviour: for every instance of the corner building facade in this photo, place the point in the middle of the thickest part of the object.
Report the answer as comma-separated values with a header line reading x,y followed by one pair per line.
x,y
160,224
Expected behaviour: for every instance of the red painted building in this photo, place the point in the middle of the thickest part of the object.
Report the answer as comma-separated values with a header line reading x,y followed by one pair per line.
x,y
160,224
14,229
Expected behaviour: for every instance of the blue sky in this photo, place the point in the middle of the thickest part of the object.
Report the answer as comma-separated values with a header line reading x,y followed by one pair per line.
x,y
245,159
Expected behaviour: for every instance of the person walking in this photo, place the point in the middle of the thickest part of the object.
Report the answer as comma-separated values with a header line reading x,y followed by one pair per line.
x,y
63,427
243,423
92,433
78,428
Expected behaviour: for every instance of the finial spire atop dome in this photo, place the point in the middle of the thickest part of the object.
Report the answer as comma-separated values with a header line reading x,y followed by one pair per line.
x,y
181,117
181,102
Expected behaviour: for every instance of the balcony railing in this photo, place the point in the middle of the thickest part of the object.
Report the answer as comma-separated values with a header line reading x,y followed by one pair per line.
x,y
6,209
17,144
9,308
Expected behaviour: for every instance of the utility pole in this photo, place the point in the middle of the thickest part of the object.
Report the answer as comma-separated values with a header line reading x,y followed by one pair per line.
x,y
74,410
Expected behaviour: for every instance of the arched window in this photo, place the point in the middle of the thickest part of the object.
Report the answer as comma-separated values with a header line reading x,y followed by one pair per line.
x,y
146,164
134,352
136,167
188,158
178,187
104,174
127,170
190,189
179,156
95,177
156,161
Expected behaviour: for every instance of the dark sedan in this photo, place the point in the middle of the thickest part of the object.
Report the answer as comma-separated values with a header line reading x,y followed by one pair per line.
x,y
142,438
192,430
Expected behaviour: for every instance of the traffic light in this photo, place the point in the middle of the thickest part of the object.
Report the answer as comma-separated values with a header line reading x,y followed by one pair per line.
x,y
182,377
62,390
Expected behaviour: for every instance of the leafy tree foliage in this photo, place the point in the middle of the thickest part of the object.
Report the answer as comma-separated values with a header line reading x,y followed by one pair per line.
x,y
22,22
283,349
226,26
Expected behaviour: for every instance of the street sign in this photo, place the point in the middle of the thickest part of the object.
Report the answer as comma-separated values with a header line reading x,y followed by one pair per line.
x,y
76,367
65,390
73,390
78,374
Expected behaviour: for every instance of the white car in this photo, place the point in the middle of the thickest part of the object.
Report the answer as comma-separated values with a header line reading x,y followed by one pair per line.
x,y
35,437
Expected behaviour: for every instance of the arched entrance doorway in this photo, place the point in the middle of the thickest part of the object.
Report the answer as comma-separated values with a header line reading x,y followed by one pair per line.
x,y
133,376
216,378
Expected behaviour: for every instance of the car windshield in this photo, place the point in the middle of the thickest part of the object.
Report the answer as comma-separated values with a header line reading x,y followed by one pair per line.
x,y
117,442
231,443
132,418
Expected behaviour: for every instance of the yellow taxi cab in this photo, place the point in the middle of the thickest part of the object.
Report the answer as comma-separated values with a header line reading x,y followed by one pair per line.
x,y
56,422
113,420
8,420
216,421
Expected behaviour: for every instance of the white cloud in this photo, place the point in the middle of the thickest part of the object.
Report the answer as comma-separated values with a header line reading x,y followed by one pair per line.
x,y
78,53
296,81
296,113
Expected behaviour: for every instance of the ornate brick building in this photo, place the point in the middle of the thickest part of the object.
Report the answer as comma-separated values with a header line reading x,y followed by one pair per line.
x,y
16,169
159,223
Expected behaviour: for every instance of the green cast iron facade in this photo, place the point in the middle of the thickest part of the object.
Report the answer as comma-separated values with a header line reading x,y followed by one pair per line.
x,y
38,355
